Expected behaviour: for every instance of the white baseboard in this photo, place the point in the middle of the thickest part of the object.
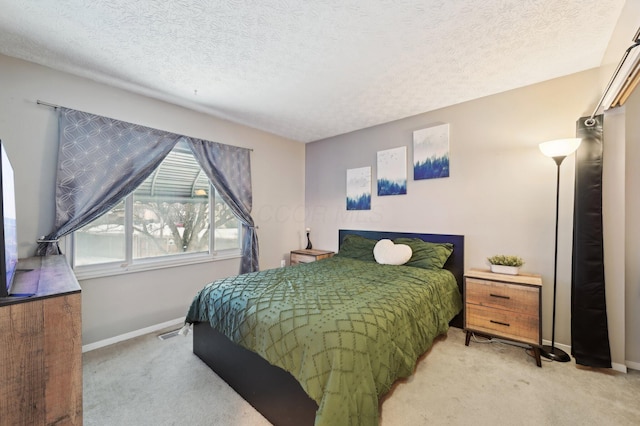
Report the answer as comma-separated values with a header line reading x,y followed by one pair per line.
x,y
633,365
131,335
619,367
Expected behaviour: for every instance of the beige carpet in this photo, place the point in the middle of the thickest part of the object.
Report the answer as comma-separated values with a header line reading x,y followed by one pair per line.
x,y
147,381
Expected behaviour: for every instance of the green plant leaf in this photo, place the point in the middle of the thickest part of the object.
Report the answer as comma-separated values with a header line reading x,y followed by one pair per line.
x,y
506,260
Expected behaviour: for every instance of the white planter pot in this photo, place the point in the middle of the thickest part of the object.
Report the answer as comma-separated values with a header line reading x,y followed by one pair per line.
x,y
502,269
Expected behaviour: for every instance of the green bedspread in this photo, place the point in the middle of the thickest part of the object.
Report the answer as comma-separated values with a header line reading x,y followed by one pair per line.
x,y
345,329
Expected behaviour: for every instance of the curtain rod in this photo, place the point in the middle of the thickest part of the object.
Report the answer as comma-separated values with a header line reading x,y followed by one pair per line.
x,y
39,102
636,39
54,106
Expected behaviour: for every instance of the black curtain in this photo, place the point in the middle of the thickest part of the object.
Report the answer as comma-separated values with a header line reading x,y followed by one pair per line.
x,y
589,329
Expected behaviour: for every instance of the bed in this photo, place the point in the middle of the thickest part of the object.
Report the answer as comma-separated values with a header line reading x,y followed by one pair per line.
x,y
321,343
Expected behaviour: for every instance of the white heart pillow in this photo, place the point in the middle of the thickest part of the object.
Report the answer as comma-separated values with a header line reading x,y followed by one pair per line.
x,y
388,253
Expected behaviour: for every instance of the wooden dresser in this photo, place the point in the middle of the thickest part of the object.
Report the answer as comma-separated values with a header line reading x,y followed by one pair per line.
x,y
504,306
41,346
308,255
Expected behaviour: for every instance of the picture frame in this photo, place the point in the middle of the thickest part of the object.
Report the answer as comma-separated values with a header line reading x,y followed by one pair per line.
x,y
431,152
392,171
359,188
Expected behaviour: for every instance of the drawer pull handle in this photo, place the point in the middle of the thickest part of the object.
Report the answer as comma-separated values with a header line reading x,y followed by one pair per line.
x,y
499,296
501,323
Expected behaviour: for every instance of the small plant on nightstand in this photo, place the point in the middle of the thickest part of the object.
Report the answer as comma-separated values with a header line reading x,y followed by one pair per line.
x,y
505,264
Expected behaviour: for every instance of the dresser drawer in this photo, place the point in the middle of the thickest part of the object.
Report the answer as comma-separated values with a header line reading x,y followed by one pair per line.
x,y
308,256
507,324
301,258
510,297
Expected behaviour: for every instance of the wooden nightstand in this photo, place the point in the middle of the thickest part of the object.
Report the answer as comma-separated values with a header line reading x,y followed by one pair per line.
x,y
504,306
307,256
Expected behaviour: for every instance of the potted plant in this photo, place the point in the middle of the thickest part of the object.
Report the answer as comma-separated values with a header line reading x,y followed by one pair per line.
x,y
505,264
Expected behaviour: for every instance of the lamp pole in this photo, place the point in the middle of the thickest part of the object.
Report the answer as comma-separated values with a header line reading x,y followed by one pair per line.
x,y
551,352
558,150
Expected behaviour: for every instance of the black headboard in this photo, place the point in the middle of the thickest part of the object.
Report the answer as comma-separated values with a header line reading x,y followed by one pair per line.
x,y
455,263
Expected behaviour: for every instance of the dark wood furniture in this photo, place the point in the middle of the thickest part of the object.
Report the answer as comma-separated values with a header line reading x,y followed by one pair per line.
x,y
504,306
275,393
41,346
308,255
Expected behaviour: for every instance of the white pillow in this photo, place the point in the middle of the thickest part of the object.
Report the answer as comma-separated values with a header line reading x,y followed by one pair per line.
x,y
388,253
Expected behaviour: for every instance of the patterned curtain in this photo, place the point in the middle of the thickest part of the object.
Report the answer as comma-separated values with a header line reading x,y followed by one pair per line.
x,y
100,161
229,170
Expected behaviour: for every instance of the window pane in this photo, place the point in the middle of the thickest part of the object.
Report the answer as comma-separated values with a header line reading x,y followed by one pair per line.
x,y
171,208
227,225
165,227
102,240
171,215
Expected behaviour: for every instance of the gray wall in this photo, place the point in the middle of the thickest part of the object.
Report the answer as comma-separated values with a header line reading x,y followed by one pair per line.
x,y
119,304
501,191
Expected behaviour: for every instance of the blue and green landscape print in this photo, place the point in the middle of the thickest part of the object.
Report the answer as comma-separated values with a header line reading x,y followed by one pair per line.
x,y
359,188
392,171
431,152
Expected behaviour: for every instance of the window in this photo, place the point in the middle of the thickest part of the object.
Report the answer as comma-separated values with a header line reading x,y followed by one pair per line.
x,y
165,221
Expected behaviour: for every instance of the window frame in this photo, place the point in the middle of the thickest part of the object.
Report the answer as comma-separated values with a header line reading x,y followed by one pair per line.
x,y
131,265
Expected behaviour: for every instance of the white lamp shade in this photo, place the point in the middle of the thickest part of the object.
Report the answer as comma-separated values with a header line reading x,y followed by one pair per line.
x,y
560,147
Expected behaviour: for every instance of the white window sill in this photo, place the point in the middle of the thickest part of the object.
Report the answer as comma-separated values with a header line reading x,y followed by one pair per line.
x,y
117,268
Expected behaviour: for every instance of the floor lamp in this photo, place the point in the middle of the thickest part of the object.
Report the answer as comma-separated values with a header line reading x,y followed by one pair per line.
x,y
558,150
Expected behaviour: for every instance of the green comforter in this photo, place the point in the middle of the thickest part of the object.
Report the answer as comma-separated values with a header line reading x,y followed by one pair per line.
x,y
345,329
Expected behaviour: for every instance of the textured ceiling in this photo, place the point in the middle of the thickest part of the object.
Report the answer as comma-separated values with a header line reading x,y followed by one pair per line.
x,y
310,69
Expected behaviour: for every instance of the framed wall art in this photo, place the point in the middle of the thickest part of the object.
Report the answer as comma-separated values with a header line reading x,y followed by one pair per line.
x,y
359,188
392,171
431,152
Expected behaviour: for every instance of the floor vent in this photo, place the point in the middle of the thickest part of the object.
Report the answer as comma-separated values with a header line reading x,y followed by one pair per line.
x,y
168,335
